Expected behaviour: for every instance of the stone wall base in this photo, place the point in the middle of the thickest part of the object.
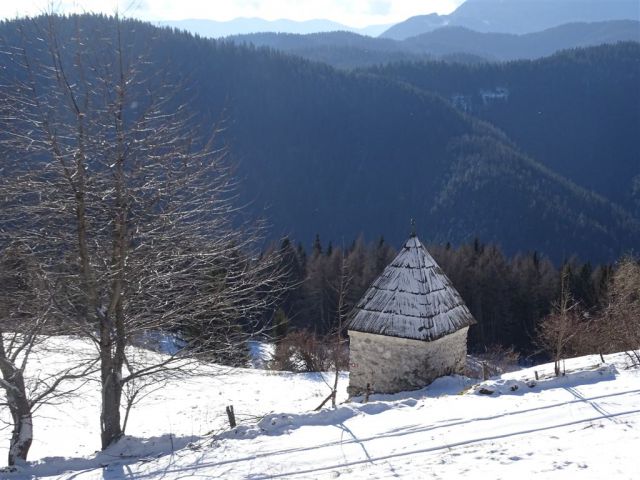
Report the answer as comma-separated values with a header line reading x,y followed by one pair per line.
x,y
391,364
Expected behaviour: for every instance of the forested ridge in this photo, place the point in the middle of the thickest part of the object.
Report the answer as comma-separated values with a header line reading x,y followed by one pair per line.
x,y
577,112
454,44
342,154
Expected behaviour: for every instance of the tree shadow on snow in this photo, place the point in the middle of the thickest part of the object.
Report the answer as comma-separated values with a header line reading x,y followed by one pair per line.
x,y
114,461
438,447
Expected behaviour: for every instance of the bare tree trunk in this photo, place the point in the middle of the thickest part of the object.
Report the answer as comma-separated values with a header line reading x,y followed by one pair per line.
x,y
22,434
335,389
13,384
110,426
111,380
18,403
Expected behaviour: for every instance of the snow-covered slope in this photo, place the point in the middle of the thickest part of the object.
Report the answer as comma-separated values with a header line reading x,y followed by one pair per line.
x,y
583,425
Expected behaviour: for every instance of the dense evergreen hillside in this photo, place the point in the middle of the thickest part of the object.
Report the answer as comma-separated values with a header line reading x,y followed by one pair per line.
x,y
323,151
339,49
348,50
577,112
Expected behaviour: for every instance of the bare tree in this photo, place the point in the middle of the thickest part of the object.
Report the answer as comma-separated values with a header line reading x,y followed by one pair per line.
x,y
109,173
619,326
336,338
25,319
558,330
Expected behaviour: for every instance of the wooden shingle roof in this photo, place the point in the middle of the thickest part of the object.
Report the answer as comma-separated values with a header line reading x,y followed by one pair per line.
x,y
412,298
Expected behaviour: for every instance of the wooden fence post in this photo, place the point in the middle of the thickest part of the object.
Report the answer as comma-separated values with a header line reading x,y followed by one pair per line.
x,y
485,371
232,416
367,393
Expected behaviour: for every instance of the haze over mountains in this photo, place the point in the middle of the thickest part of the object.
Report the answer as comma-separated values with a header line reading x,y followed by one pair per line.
x,y
488,16
240,26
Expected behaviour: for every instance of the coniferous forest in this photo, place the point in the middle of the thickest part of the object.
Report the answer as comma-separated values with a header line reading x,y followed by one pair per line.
x,y
508,295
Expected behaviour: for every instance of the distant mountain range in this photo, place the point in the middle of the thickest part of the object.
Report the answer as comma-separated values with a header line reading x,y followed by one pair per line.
x,y
349,50
504,46
488,16
517,16
323,151
240,26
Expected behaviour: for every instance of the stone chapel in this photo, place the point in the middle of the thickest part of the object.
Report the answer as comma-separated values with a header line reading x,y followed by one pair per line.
x,y
409,328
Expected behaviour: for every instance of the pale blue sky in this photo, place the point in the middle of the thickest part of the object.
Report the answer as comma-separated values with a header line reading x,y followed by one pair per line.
x,y
356,13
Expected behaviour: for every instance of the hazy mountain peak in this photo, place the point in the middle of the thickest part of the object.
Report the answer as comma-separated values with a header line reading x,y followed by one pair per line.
x,y
244,25
517,16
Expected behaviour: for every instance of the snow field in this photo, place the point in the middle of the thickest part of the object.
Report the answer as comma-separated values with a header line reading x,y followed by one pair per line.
x,y
583,425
